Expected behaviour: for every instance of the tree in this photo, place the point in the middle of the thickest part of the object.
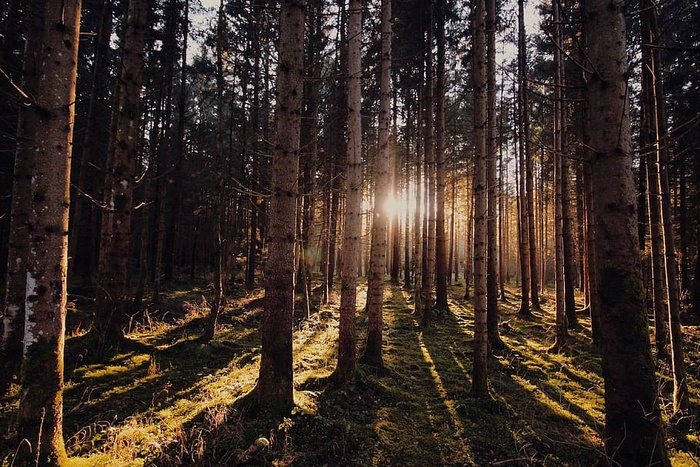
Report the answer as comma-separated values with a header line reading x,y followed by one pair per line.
x,y
347,351
11,339
479,375
41,400
275,386
634,432
377,265
112,291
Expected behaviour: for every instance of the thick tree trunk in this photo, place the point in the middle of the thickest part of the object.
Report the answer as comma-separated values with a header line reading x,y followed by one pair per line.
x,y
275,386
634,433
41,401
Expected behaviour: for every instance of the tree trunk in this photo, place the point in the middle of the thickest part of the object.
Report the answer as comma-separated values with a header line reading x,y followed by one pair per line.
x,y
523,136
441,276
11,340
479,375
375,282
275,386
634,433
41,400
112,290
347,351
491,180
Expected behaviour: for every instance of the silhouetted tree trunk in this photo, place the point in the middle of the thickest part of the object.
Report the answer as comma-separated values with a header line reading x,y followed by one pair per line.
x,y
377,266
523,148
347,351
479,375
441,275
41,401
491,180
275,386
112,289
634,433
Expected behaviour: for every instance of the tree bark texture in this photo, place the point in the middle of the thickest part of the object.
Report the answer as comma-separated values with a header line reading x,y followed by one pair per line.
x,y
41,400
634,433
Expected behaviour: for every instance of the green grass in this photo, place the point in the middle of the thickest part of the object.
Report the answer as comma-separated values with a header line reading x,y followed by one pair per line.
x,y
169,398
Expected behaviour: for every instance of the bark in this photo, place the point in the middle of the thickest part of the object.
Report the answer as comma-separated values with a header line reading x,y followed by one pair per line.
x,y
430,176
680,386
523,136
441,268
347,351
377,266
634,433
479,374
275,386
41,399
492,185
11,340
112,290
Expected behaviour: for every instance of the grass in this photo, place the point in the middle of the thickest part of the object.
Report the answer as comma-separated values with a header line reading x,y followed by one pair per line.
x,y
170,398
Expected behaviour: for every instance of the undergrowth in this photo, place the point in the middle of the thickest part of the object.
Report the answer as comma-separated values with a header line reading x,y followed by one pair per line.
x,y
169,398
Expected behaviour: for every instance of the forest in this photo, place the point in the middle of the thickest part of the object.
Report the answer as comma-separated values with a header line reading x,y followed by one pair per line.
x,y
350,233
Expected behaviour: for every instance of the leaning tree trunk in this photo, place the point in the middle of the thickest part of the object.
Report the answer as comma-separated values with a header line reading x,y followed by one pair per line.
x,y
634,433
41,401
275,386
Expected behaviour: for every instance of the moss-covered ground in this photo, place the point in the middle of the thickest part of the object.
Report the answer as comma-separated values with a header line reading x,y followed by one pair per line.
x,y
167,398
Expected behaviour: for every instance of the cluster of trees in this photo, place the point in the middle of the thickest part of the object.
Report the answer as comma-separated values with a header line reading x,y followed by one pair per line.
x,y
301,128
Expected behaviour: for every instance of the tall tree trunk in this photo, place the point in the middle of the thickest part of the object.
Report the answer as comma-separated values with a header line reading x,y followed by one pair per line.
x,y
41,401
347,351
523,148
479,374
430,175
275,386
559,287
13,318
634,433
112,290
491,181
377,267
441,276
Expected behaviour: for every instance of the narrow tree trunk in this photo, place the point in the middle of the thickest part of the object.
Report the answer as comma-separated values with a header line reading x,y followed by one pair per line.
x,y
13,322
347,351
375,281
441,275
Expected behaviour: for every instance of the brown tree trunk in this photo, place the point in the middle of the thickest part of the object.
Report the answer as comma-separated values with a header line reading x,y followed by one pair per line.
x,y
347,351
41,402
375,282
13,319
441,275
479,372
112,289
275,386
634,433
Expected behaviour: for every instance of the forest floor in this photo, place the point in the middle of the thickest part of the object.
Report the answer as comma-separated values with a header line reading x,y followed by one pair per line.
x,y
168,398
